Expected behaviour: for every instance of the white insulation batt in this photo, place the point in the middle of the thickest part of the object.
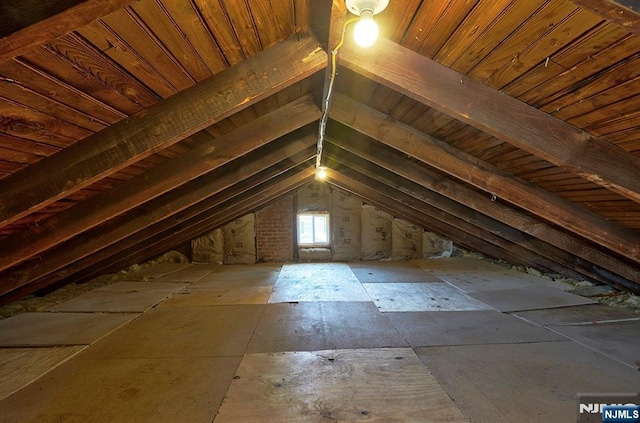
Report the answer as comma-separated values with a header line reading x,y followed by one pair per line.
x,y
376,234
313,196
240,240
208,248
435,246
406,240
346,227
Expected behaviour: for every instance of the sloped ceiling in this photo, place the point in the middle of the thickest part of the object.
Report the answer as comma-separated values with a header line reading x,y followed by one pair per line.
x,y
129,127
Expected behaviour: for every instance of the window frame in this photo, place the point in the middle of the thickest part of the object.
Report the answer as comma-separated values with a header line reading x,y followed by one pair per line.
x,y
314,214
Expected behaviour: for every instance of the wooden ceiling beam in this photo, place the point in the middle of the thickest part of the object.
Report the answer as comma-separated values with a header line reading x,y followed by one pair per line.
x,y
176,206
432,204
156,181
485,176
259,196
571,252
159,126
495,113
30,23
396,204
625,13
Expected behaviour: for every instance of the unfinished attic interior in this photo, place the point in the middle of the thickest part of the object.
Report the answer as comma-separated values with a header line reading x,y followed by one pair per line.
x,y
478,217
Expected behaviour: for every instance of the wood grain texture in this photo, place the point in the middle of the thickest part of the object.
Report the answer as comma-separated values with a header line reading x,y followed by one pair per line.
x,y
625,13
156,181
159,126
557,246
485,176
504,117
168,210
58,19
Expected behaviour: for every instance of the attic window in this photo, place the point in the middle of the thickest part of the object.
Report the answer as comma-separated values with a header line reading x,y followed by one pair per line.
x,y
313,229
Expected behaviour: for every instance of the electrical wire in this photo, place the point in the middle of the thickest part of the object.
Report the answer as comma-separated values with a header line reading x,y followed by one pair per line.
x,y
326,101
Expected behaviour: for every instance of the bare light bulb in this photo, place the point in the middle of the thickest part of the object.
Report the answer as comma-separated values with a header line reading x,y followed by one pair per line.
x,y
366,30
321,173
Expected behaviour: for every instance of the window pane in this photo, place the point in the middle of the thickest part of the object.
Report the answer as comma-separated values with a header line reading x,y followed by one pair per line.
x,y
321,230
305,229
313,229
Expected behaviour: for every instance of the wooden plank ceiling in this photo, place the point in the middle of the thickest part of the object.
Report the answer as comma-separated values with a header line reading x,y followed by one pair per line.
x,y
128,127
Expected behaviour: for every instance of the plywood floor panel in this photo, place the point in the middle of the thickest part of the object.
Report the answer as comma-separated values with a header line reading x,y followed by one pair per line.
x,y
189,274
421,297
376,272
526,382
588,313
159,270
309,326
433,328
184,332
529,298
86,389
497,281
620,340
113,302
377,385
317,282
219,296
56,329
21,366
129,286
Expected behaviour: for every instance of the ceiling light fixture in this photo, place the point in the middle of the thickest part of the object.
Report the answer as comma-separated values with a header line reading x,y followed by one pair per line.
x,y
365,32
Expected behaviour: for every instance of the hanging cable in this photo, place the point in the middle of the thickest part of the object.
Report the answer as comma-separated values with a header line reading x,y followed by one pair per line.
x,y
326,101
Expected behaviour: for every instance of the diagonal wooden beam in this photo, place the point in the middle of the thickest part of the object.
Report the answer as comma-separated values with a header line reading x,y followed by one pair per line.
x,y
156,181
258,197
483,175
400,205
177,205
625,13
159,126
546,241
497,114
29,23
244,196
434,205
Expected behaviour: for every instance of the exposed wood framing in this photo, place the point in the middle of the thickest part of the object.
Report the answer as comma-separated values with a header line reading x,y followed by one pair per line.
x,y
189,199
549,242
395,203
624,12
55,18
497,114
159,126
485,176
157,181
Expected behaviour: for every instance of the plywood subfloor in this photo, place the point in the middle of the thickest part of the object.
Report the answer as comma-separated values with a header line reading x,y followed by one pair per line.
x,y
500,280
21,366
466,327
189,274
176,361
525,382
184,332
114,301
529,298
57,329
309,326
219,296
619,340
159,270
588,313
317,282
96,390
382,385
372,272
403,297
